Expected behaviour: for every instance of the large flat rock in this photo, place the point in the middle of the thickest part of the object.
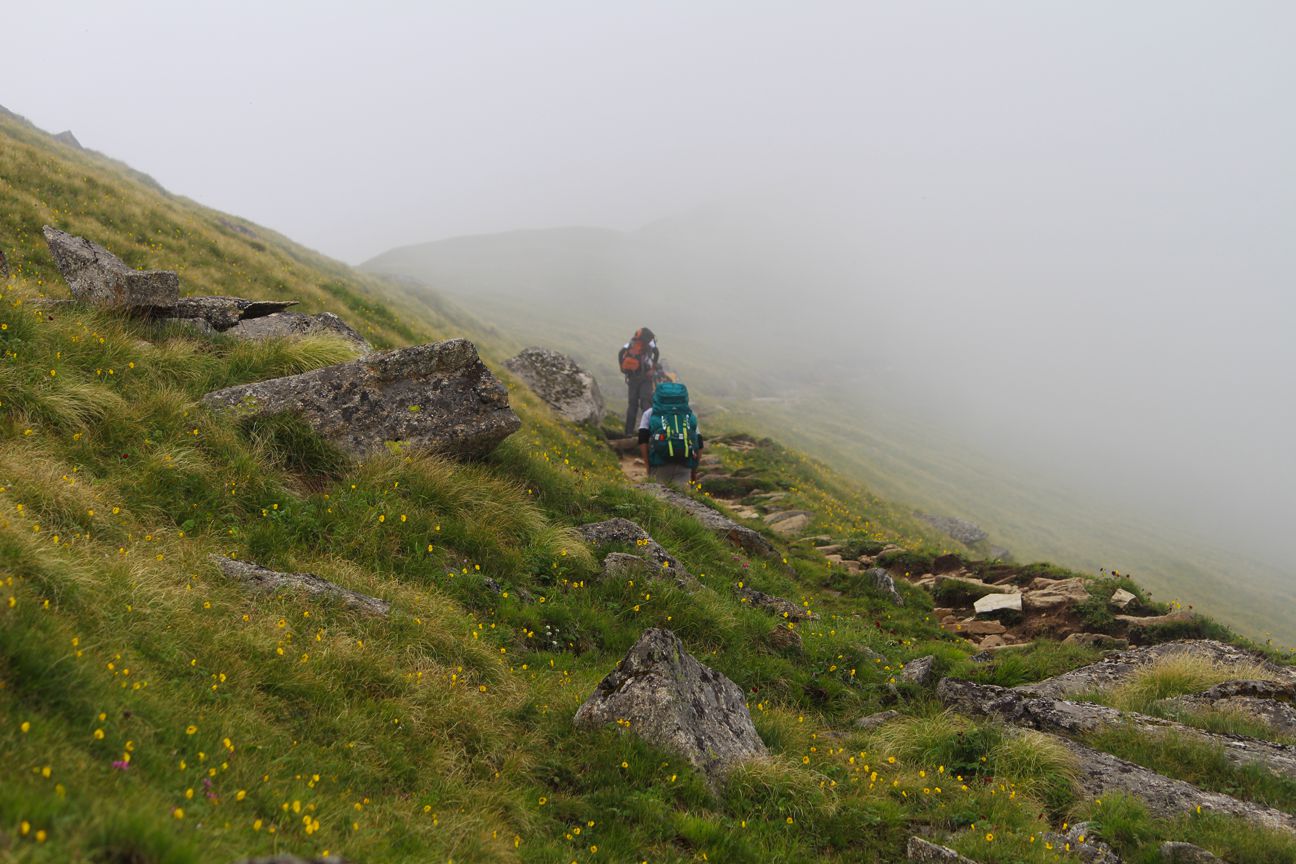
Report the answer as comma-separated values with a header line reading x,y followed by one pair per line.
x,y
678,704
741,536
97,276
295,325
438,397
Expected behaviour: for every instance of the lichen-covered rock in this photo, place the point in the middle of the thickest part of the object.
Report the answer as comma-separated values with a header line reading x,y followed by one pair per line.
x,y
294,325
628,533
676,703
1270,702
717,523
1177,852
783,608
272,581
621,566
438,397
97,276
884,584
565,386
918,671
926,852
786,639
222,313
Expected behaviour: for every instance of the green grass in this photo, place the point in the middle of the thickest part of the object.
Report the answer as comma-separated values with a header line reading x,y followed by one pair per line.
x,y
153,711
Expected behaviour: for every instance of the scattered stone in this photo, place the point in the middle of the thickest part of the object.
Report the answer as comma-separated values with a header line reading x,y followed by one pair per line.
x,y
918,671
783,608
786,639
678,704
965,532
992,641
788,523
97,276
875,721
1121,666
1135,621
739,535
438,397
831,549
1177,852
560,382
1077,718
977,627
294,325
1047,594
1096,640
992,604
628,533
272,582
1121,598
885,585
222,313
929,853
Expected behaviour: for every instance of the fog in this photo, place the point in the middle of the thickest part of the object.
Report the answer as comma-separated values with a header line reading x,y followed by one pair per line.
x,y
1060,232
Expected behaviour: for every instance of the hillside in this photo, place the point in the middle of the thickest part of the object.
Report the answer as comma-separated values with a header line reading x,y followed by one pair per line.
x,y
860,414
154,709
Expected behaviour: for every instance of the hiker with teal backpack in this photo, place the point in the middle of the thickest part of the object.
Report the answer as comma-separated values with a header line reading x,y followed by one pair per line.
x,y
668,436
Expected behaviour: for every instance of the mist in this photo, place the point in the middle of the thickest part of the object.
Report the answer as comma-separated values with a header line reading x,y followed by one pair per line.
x,y
1061,234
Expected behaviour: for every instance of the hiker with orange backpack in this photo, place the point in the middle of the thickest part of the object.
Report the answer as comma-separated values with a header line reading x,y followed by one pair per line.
x,y
668,437
639,360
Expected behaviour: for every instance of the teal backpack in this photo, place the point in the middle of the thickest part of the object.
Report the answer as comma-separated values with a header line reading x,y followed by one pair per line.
x,y
673,429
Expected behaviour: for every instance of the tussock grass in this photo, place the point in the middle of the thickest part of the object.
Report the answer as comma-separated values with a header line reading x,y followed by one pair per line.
x,y
1179,675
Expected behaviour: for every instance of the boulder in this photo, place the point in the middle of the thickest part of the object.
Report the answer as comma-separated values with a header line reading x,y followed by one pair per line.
x,y
773,518
678,704
97,276
620,566
294,325
918,671
1121,598
790,526
1176,852
438,397
783,608
1086,848
222,313
565,386
926,852
994,604
628,533
273,582
885,585
717,523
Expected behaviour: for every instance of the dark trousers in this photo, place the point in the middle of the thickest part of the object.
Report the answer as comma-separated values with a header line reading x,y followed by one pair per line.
x,y
641,392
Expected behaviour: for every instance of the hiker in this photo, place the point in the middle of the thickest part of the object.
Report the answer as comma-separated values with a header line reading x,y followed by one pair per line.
x,y
639,360
668,436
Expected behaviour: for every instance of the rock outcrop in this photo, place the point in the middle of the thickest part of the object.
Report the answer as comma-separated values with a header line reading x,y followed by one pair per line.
x,y
222,313
560,382
1121,666
628,533
789,523
438,397
783,608
918,671
1269,702
288,325
1077,718
678,704
273,582
739,535
97,276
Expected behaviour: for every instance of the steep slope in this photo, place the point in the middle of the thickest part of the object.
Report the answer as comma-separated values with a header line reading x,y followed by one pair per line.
x,y
152,709
586,290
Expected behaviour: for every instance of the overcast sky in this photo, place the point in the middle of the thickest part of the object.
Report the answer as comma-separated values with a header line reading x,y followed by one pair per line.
x,y
1089,208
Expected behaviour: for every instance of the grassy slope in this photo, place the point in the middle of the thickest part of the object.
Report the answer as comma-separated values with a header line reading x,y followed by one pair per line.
x,y
151,711
865,428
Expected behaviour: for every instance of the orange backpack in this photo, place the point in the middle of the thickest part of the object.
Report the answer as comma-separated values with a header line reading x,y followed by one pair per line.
x,y
636,359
